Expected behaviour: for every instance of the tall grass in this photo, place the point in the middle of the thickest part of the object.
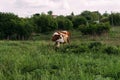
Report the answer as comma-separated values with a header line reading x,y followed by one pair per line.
x,y
83,59
37,60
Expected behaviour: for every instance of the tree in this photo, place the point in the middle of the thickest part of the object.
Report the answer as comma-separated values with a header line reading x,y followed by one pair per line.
x,y
72,14
64,23
13,27
105,14
50,12
79,20
7,24
44,23
104,18
37,14
87,15
114,19
95,16
95,29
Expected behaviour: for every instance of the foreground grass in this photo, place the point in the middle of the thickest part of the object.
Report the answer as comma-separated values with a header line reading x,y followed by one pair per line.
x,y
84,59
37,60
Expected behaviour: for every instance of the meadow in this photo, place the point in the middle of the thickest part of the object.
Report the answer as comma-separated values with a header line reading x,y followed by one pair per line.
x,y
86,58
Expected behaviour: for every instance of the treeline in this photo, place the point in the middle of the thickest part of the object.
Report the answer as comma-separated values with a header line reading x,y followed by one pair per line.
x,y
17,28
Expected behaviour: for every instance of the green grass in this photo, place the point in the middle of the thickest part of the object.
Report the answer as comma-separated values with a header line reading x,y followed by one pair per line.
x,y
85,59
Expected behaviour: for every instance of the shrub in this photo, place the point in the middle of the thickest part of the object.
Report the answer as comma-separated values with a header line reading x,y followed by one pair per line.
x,y
75,48
64,23
44,23
95,46
112,50
95,29
79,20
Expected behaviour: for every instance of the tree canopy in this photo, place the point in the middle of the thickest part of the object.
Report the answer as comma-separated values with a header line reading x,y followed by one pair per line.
x,y
15,27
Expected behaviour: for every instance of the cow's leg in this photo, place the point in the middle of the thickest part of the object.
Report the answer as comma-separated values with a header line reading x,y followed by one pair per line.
x,y
68,40
57,44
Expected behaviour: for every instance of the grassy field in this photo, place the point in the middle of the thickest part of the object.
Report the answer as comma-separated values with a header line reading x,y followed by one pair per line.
x,y
86,58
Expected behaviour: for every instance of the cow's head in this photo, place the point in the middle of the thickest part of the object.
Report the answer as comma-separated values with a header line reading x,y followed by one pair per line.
x,y
55,37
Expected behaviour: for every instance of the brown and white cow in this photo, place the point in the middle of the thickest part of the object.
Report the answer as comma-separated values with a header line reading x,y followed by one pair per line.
x,y
61,37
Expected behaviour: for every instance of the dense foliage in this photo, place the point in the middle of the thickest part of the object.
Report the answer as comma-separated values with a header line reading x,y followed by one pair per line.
x,y
93,47
64,23
44,23
95,29
79,20
14,27
114,19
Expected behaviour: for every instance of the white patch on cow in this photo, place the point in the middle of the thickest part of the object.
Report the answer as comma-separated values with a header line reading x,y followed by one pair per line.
x,y
55,34
64,31
61,39
58,44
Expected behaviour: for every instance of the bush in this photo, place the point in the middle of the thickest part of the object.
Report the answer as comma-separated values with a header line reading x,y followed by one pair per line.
x,y
44,23
95,46
112,50
14,28
95,29
82,48
79,20
64,23
75,48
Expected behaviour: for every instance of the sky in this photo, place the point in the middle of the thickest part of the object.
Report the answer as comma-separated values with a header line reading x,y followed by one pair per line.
x,y
26,8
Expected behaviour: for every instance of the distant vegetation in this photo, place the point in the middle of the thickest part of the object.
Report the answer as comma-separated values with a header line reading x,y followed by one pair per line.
x,y
90,23
93,53
95,29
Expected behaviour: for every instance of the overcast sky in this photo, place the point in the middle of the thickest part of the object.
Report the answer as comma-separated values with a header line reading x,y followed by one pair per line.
x,y
25,8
